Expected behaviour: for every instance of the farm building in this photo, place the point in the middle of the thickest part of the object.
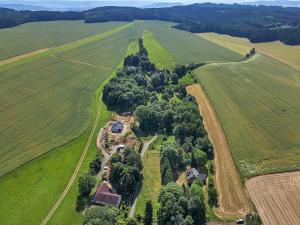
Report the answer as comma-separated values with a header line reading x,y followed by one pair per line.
x,y
117,127
107,195
192,174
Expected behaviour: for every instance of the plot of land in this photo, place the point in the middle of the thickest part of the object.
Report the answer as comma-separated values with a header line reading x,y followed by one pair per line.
x,y
276,197
39,35
284,53
151,183
258,104
186,47
232,199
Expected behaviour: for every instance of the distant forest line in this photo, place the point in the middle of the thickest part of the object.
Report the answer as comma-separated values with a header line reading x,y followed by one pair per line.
x,y
257,23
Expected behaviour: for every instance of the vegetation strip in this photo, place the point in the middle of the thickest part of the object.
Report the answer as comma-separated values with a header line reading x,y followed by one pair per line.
x,y
232,199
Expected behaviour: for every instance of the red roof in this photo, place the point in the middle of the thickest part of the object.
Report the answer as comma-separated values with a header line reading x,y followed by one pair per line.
x,y
107,195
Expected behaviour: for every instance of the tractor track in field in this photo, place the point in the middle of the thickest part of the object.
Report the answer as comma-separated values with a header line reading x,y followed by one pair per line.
x,y
23,56
233,201
83,63
77,168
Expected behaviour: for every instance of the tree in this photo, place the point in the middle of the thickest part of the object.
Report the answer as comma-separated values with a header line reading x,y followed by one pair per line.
x,y
212,192
133,158
131,221
166,171
101,215
253,219
196,209
85,185
148,220
95,165
199,158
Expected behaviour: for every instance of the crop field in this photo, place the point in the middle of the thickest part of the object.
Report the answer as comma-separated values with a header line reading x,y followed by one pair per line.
x,y
233,203
276,197
45,103
157,53
257,102
108,51
185,47
284,53
39,35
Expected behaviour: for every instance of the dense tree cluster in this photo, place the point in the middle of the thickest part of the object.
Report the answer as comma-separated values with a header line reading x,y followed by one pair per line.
x,y
257,23
181,206
125,172
253,219
85,186
101,215
171,162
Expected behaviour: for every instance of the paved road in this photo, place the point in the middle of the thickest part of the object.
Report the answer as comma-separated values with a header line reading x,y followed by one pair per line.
x,y
145,147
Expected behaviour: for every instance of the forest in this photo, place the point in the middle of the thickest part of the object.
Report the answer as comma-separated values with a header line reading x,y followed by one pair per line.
x,y
257,23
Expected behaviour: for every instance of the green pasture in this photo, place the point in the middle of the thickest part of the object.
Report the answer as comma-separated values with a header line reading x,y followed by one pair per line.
x,y
258,104
185,47
39,35
151,182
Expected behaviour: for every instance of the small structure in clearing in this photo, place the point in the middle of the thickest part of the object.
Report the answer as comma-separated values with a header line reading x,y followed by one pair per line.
x,y
192,174
107,195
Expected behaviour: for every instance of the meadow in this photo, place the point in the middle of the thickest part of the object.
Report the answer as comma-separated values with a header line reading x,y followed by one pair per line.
x,y
284,53
185,47
257,102
39,35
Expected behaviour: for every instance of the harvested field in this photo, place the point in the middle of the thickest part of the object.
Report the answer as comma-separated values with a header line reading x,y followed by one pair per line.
x,y
276,50
276,197
232,199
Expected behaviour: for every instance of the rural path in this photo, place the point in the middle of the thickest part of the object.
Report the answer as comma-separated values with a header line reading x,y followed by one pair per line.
x,y
23,56
144,149
276,197
233,201
77,168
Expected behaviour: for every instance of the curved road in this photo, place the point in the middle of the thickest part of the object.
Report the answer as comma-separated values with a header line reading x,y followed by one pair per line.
x,y
77,168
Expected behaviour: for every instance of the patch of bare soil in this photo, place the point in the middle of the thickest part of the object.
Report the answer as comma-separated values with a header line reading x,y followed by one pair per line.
x,y
276,197
233,201
16,58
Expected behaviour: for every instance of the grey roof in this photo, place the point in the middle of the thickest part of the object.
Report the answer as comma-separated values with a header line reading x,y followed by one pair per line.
x,y
193,173
117,126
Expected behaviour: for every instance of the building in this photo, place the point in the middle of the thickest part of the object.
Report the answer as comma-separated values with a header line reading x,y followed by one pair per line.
x,y
117,127
107,195
192,174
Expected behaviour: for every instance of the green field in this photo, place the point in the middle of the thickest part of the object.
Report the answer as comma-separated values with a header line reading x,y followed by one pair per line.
x,y
151,183
39,35
258,104
44,103
39,179
186,47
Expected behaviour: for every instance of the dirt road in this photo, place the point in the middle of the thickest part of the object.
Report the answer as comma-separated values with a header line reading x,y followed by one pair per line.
x,y
15,58
77,168
276,197
232,198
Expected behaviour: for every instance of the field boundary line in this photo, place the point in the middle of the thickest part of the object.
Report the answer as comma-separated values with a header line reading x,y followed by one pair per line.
x,y
77,168
81,62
